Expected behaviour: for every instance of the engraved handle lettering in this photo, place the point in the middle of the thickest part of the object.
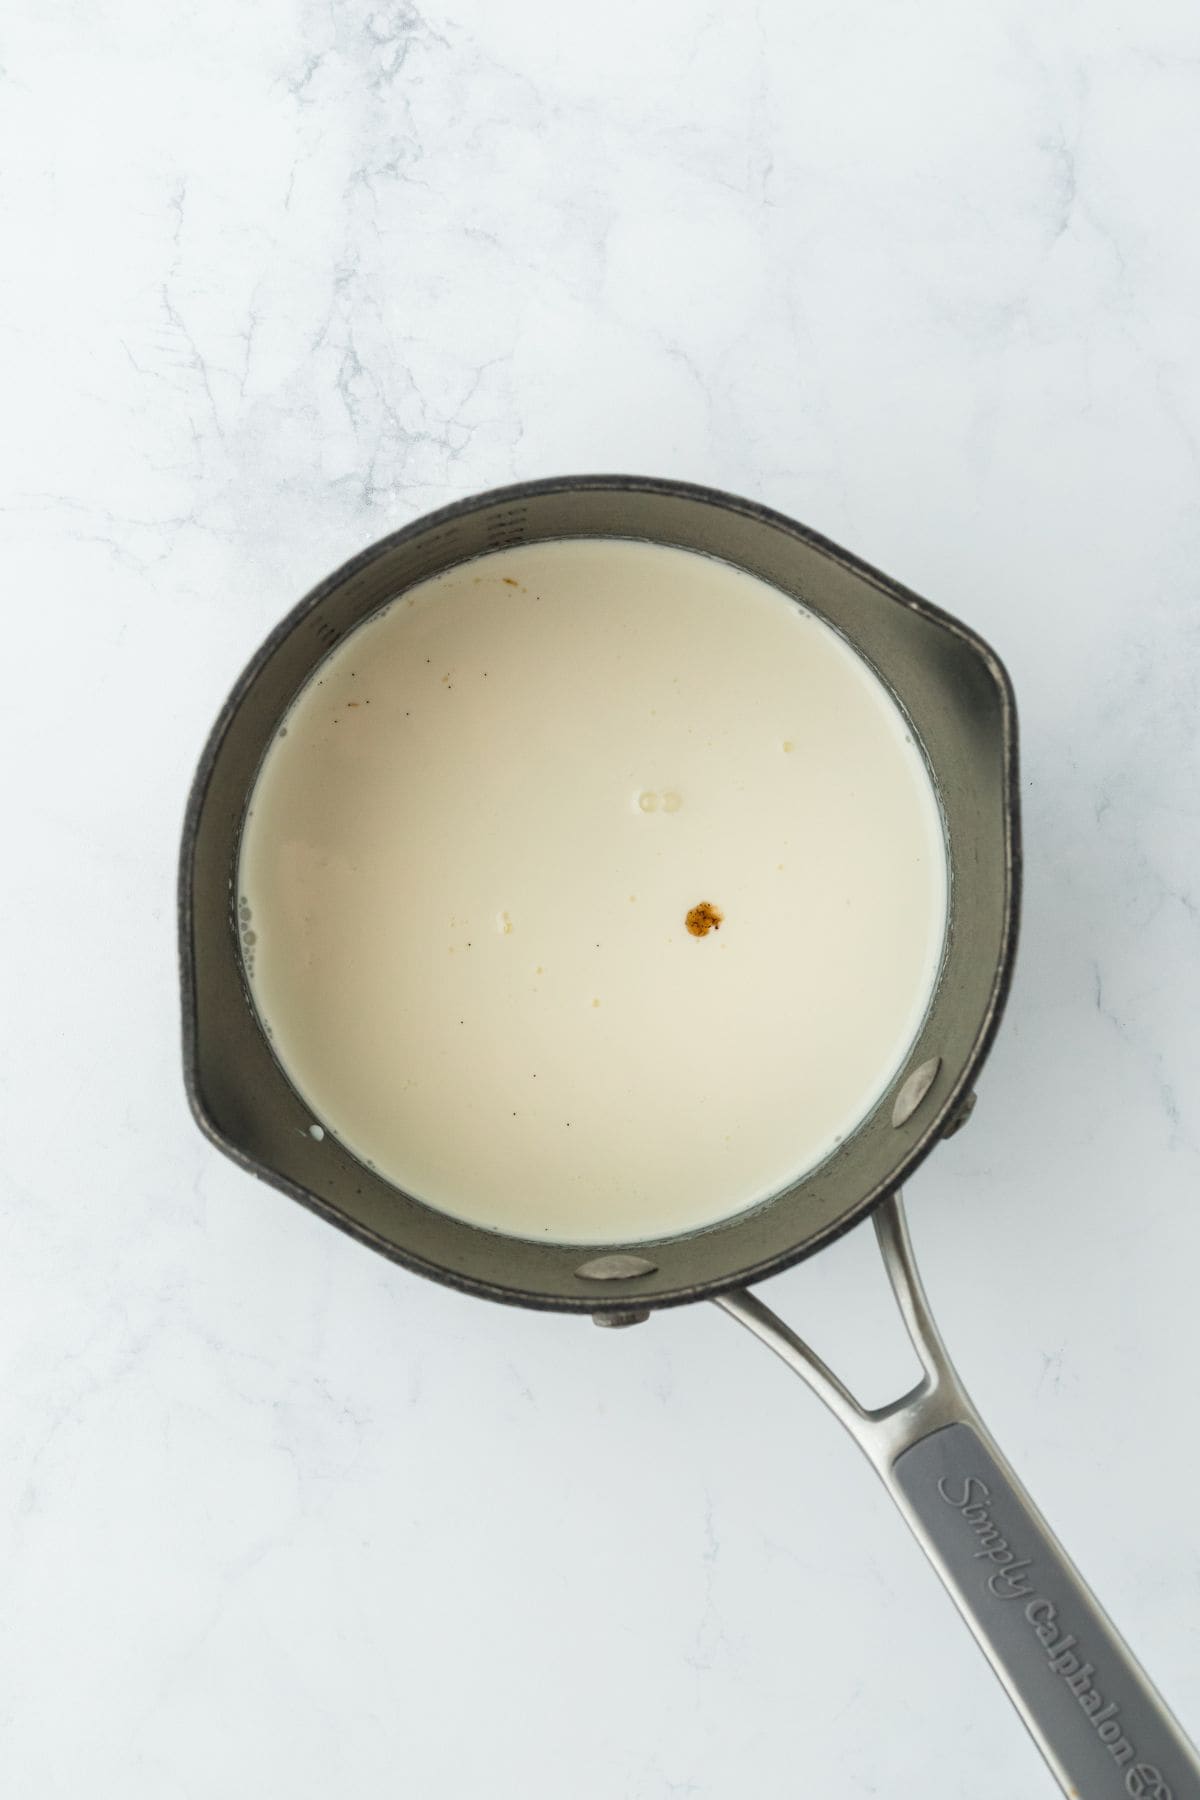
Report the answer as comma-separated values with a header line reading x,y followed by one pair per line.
x,y
1059,1656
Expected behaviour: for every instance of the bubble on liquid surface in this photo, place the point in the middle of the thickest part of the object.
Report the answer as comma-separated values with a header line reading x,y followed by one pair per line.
x,y
672,802
317,1132
648,801
504,924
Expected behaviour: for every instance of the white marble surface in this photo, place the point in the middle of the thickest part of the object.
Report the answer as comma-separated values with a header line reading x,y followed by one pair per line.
x,y
275,1517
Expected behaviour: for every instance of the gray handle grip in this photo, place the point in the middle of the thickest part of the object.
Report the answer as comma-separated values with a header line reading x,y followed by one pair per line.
x,y
1100,1724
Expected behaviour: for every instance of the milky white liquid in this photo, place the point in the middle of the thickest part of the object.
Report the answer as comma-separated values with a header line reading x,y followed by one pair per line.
x,y
469,859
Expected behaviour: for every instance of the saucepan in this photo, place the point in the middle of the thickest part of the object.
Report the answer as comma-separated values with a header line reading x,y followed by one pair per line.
x,y
1094,1714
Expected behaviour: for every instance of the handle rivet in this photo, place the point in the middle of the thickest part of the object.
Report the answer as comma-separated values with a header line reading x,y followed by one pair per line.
x,y
617,1266
915,1090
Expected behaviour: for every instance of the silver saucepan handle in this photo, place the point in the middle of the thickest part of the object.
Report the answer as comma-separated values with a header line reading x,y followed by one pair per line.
x,y
1089,1705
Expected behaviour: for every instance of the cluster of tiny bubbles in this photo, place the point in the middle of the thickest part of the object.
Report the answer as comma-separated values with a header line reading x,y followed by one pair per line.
x,y
249,935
